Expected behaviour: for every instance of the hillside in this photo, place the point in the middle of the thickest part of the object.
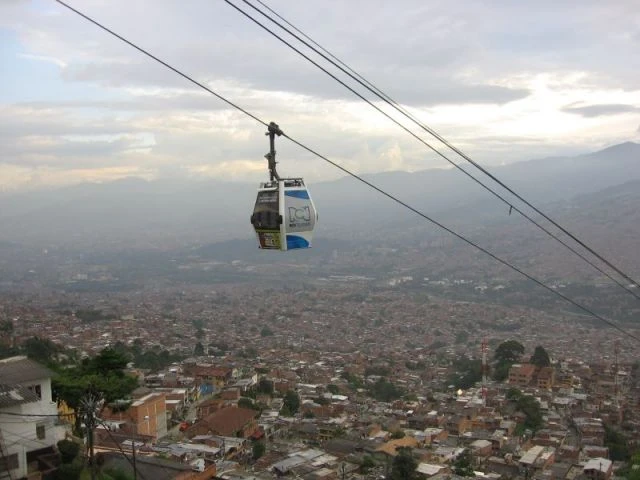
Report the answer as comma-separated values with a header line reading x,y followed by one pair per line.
x,y
163,215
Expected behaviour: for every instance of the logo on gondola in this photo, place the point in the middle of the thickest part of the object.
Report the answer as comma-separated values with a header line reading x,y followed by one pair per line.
x,y
299,216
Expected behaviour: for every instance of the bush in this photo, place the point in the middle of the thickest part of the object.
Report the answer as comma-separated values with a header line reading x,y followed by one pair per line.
x,y
68,450
69,471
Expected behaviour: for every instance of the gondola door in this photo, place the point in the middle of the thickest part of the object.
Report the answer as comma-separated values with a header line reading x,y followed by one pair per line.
x,y
267,219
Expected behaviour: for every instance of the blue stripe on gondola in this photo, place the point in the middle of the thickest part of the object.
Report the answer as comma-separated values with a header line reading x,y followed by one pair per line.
x,y
297,194
294,241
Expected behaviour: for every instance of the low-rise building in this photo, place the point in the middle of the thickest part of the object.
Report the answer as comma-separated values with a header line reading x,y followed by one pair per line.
x,y
27,416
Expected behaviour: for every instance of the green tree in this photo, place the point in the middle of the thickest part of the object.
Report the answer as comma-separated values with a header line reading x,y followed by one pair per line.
x,y
265,386
109,360
531,408
103,374
617,443
506,355
266,332
632,470
367,463
509,352
501,372
462,465
540,357
385,391
467,373
41,350
245,402
6,327
69,471
332,388
404,465
114,474
68,450
291,403
513,394
258,449
198,350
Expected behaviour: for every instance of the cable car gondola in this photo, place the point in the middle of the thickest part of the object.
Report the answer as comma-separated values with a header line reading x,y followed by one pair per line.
x,y
284,215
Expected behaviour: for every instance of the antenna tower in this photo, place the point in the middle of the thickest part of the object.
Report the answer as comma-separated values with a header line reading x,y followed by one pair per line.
x,y
485,369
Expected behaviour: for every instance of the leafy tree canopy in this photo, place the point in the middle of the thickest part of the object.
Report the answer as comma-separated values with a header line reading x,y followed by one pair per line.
x,y
258,450
385,391
540,357
332,388
462,465
41,350
404,465
291,402
103,373
467,373
531,408
509,352
265,386
198,350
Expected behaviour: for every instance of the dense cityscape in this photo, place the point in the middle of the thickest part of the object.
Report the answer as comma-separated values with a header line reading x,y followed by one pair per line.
x,y
439,287
338,376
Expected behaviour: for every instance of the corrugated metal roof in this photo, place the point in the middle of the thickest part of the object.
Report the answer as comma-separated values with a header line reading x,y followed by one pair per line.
x,y
11,395
21,370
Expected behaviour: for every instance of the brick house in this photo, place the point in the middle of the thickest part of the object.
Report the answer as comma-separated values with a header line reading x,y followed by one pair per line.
x,y
545,378
521,374
145,416
227,422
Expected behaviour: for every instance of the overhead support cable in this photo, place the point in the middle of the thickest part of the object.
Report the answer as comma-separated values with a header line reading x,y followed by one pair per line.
x,y
371,185
328,56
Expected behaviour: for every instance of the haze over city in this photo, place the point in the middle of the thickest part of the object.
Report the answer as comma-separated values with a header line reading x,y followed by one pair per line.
x,y
505,82
480,323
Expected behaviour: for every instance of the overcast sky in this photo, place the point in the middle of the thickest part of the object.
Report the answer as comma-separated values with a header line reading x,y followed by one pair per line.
x,y
503,80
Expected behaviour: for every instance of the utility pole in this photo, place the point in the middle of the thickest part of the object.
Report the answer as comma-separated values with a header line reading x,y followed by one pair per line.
x,y
88,407
133,454
485,369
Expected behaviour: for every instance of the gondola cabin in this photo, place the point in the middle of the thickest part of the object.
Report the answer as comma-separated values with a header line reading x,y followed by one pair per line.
x,y
284,215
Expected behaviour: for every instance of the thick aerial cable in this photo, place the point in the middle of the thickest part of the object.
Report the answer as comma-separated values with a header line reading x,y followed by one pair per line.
x,y
369,184
388,100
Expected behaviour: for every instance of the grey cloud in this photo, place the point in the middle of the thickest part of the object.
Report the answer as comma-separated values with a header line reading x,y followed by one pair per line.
x,y
60,153
193,102
409,87
600,110
14,124
240,52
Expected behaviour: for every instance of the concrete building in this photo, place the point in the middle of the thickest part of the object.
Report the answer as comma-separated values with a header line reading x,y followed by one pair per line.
x,y
145,416
598,469
521,374
28,416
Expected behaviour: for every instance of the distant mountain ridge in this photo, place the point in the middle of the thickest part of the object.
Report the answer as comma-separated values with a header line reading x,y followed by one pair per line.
x,y
134,213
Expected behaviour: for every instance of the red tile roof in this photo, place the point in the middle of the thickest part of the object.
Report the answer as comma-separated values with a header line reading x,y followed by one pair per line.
x,y
226,422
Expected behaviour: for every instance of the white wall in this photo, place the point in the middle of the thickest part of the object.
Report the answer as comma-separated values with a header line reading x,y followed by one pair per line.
x,y
19,431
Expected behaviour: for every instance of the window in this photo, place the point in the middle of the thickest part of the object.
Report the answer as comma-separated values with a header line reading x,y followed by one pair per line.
x,y
37,389
9,462
41,431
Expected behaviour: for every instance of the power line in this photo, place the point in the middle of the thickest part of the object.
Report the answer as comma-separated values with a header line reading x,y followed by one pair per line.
x,y
369,184
388,100
464,239
37,415
186,77
106,427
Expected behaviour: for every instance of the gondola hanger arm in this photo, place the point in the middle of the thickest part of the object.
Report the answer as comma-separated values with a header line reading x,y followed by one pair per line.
x,y
273,130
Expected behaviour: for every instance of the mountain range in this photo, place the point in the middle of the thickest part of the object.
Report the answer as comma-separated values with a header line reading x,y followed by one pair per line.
x,y
596,194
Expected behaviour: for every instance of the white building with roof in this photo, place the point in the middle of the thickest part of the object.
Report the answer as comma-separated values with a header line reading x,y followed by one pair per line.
x,y
28,415
598,469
